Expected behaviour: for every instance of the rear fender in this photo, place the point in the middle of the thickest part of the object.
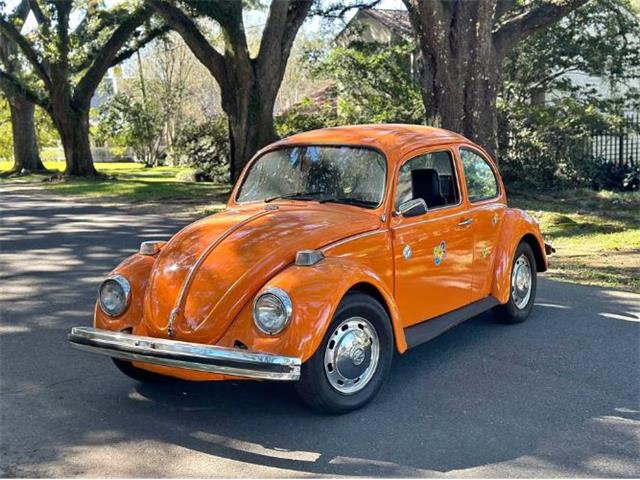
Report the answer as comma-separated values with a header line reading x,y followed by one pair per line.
x,y
517,225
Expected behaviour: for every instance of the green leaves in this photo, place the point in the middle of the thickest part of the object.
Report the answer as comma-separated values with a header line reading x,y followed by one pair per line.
x,y
375,83
125,121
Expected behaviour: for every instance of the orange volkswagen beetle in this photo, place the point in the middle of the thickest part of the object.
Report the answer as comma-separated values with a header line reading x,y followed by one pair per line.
x,y
337,247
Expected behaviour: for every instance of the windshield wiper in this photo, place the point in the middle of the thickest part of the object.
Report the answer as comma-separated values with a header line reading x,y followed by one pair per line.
x,y
296,195
350,201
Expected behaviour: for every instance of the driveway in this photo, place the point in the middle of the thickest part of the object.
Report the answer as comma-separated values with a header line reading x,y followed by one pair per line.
x,y
555,396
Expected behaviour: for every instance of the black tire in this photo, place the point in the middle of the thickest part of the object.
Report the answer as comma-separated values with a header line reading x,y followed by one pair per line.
x,y
139,375
314,386
510,312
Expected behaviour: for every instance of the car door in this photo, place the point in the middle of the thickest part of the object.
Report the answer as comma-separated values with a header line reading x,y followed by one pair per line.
x,y
486,209
433,251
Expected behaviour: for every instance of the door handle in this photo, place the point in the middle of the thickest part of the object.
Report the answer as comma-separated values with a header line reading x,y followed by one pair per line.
x,y
466,222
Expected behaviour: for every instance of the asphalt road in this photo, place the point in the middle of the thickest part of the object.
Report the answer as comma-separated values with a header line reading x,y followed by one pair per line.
x,y
556,396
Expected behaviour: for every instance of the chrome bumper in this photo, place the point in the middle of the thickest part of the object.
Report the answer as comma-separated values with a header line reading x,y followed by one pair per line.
x,y
190,356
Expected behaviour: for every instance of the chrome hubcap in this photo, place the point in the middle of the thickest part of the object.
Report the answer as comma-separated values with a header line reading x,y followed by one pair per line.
x,y
521,282
351,355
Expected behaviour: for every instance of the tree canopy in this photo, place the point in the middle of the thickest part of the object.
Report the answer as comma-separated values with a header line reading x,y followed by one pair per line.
x,y
68,53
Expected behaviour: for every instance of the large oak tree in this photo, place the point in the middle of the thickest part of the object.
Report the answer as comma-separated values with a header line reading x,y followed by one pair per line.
x,y
68,63
249,85
23,128
463,45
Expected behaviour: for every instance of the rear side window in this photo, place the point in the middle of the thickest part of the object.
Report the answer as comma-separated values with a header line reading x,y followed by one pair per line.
x,y
430,176
480,179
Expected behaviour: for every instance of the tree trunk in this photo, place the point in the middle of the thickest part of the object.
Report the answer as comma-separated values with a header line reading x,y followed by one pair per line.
x,y
459,69
462,46
463,100
25,143
73,127
248,86
250,111
246,138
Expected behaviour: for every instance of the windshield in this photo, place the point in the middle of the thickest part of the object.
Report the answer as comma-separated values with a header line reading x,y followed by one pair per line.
x,y
352,175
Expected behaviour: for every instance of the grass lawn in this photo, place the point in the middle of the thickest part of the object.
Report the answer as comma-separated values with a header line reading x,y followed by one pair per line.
x,y
131,182
596,235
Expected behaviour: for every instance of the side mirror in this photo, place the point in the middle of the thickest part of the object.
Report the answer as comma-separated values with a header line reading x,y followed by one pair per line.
x,y
412,208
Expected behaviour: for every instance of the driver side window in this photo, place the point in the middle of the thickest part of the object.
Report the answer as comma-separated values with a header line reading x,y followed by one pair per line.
x,y
430,176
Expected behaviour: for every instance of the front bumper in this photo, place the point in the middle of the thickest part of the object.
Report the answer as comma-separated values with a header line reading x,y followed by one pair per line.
x,y
191,356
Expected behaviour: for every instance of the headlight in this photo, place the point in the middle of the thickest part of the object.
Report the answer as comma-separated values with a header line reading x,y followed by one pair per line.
x,y
114,295
272,310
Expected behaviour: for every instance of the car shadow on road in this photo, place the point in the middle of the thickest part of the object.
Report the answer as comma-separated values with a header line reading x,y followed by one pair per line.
x,y
481,394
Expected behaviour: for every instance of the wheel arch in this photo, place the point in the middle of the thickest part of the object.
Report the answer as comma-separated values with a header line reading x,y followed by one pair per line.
x,y
541,264
371,290
517,226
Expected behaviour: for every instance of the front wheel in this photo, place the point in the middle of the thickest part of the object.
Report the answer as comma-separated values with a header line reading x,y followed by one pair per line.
x,y
523,283
353,360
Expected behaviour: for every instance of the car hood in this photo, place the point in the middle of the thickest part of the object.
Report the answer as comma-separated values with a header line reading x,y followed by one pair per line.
x,y
210,269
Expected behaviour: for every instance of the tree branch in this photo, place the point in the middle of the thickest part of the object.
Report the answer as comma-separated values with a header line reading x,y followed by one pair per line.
x,y
526,24
199,45
283,23
39,15
105,56
544,82
12,33
338,10
62,30
140,43
503,7
14,87
228,14
21,12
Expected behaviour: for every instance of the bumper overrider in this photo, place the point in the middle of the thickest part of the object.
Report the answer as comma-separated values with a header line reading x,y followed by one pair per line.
x,y
191,356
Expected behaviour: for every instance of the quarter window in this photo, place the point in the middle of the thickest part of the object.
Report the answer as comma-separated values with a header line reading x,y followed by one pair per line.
x,y
430,176
480,179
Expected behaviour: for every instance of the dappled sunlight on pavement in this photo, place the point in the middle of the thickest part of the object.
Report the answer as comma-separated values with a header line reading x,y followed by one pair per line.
x,y
554,396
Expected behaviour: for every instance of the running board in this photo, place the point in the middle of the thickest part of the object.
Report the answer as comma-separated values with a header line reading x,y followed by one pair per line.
x,y
430,329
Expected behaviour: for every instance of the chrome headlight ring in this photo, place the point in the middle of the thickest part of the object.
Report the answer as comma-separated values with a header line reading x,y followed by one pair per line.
x,y
121,283
272,299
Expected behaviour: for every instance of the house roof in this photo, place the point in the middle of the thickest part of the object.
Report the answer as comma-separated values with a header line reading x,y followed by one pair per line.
x,y
395,20
325,94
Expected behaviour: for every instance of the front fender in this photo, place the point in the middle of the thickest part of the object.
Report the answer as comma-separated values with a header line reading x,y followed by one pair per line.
x,y
516,226
136,270
315,292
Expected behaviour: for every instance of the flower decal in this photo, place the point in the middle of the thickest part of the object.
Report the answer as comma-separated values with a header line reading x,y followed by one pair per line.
x,y
440,253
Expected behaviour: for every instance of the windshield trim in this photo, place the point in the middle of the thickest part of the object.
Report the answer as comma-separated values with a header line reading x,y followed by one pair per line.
x,y
261,154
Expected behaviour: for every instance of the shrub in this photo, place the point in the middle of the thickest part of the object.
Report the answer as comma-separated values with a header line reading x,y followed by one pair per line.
x,y
550,146
205,147
305,116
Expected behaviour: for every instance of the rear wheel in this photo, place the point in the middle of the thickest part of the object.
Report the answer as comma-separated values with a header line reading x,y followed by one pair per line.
x,y
350,365
523,283
139,374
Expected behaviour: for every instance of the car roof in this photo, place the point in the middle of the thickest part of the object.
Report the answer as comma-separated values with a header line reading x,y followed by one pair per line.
x,y
394,139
